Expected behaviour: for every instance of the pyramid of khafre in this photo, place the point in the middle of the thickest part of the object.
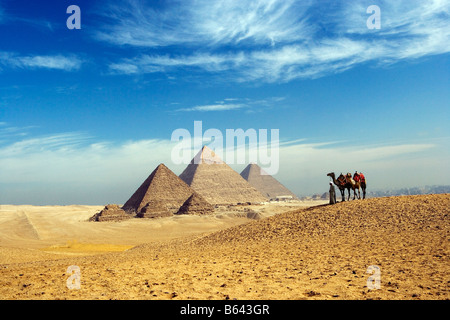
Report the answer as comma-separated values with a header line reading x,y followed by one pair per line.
x,y
217,182
162,185
265,183
196,205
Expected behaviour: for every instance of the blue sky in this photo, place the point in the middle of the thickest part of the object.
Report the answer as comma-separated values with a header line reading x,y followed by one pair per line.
x,y
86,115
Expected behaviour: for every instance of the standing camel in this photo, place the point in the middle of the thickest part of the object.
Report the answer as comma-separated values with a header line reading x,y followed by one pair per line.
x,y
356,184
342,184
363,184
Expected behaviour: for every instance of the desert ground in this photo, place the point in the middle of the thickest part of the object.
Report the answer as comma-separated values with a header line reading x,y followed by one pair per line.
x,y
304,250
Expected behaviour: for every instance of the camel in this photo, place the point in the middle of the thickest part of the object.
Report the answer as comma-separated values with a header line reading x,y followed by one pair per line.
x,y
355,185
346,182
363,185
341,183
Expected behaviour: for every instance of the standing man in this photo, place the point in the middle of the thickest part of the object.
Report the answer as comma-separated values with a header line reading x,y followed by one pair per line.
x,y
332,194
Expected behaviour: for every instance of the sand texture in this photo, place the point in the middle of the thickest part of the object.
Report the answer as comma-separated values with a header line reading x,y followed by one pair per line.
x,y
321,252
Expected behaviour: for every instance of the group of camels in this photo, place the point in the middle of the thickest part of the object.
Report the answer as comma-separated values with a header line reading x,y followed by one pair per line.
x,y
347,182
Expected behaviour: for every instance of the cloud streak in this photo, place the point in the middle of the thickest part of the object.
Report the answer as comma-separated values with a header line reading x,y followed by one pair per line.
x,y
55,62
235,104
214,107
190,22
274,41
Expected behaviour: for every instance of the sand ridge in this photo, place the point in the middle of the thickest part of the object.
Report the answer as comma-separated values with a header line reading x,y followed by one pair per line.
x,y
316,253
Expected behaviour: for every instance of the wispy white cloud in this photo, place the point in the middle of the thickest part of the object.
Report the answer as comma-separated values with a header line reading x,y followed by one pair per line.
x,y
55,62
236,104
8,17
215,107
276,40
154,63
205,22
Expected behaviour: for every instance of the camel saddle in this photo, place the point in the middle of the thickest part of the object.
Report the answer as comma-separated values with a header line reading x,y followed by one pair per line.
x,y
342,180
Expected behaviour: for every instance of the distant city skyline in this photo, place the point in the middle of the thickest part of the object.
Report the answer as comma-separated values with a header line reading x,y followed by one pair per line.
x,y
87,114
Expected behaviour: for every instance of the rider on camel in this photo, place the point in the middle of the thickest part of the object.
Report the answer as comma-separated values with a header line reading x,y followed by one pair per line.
x,y
356,177
362,178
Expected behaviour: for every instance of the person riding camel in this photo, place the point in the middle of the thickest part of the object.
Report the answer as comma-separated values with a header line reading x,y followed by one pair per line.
x,y
356,177
349,178
342,180
362,178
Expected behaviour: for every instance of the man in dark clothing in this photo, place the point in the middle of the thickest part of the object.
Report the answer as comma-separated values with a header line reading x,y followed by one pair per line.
x,y
332,194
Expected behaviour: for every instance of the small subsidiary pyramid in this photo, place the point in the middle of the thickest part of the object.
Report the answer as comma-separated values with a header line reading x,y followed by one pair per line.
x,y
217,182
265,183
196,205
162,185
154,209
111,212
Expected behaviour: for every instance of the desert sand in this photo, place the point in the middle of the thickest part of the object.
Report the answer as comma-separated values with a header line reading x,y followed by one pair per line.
x,y
302,251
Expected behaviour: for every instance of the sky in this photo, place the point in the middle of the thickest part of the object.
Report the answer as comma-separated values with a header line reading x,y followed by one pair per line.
x,y
87,114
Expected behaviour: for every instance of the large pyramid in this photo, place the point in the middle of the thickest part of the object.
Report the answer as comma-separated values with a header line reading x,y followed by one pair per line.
x,y
265,183
217,182
162,185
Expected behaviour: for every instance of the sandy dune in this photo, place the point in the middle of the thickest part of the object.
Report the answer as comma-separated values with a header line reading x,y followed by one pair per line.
x,y
316,253
36,228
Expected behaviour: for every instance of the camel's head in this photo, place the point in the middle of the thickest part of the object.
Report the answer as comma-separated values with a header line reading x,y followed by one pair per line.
x,y
331,174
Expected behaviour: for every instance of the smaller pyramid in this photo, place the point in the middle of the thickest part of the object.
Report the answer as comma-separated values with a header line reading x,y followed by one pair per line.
x,y
111,212
265,183
154,209
162,185
196,205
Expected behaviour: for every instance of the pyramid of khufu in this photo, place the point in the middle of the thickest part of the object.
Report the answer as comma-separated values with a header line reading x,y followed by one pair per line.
x,y
196,205
162,189
266,184
217,182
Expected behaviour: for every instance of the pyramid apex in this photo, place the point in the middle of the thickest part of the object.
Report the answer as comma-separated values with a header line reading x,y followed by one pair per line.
x,y
207,156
